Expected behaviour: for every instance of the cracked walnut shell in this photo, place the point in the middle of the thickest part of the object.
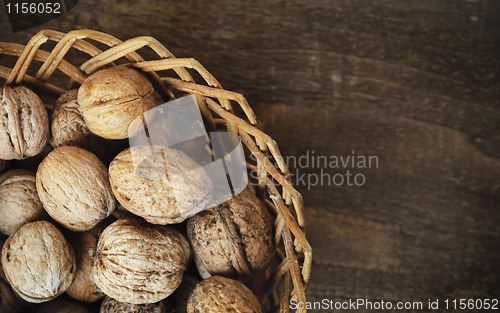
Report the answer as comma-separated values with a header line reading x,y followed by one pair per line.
x,y
74,188
219,294
140,263
19,201
24,123
38,262
112,98
145,190
234,239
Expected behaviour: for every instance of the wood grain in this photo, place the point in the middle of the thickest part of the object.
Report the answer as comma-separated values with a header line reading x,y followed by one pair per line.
x,y
415,83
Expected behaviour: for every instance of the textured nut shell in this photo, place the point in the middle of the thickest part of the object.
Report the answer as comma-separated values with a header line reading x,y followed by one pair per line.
x,y
234,239
2,274
83,287
151,194
68,126
140,263
62,306
179,299
19,202
219,294
74,188
110,305
38,262
24,123
9,301
110,99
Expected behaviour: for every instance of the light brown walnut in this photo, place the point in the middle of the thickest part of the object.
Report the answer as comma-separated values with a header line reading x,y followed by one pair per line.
x,y
219,294
38,262
19,201
140,263
110,305
83,287
110,99
24,123
145,190
68,126
74,188
234,239
62,306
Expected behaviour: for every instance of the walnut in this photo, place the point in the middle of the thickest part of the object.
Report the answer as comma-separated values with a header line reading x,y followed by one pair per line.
x,y
83,287
110,99
24,123
140,263
234,239
219,294
62,306
74,188
68,126
38,262
179,299
9,301
19,202
147,191
2,274
110,305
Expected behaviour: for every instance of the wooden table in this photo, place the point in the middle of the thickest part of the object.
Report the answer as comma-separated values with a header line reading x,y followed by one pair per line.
x,y
414,83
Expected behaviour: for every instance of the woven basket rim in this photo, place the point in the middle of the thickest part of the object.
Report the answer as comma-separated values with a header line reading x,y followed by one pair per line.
x,y
293,273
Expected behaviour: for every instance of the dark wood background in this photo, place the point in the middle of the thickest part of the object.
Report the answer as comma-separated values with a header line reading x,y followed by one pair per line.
x,y
414,82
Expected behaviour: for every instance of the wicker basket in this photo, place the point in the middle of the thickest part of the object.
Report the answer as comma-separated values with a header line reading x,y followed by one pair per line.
x,y
287,278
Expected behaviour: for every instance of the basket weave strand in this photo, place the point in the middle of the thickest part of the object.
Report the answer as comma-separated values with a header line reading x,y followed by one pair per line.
x,y
292,274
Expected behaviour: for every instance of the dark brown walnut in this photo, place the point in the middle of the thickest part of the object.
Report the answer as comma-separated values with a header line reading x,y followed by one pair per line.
x,y
38,262
110,305
219,294
234,239
179,299
19,201
62,306
74,188
9,301
140,263
24,123
139,183
112,98
68,126
83,287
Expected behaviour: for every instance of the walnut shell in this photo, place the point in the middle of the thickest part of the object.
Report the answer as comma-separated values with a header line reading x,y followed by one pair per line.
x,y
83,287
38,262
2,273
19,201
234,239
62,306
68,125
110,99
147,192
9,301
74,188
140,263
219,294
110,305
24,123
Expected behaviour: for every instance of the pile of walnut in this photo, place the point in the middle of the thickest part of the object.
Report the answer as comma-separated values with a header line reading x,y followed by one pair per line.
x,y
87,233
